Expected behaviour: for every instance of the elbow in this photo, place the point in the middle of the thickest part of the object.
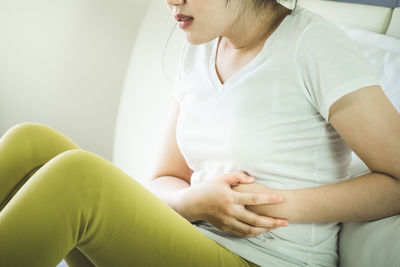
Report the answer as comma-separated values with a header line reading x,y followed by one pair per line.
x,y
395,177
390,169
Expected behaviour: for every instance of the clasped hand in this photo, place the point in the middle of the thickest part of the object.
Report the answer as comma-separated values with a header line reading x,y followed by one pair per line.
x,y
217,202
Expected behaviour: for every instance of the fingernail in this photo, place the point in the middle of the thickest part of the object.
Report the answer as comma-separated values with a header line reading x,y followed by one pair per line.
x,y
283,223
278,198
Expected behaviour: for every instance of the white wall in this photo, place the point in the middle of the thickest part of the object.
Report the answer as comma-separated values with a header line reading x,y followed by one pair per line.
x,y
147,97
63,64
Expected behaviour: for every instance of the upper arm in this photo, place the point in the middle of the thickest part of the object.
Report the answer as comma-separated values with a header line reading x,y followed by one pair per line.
x,y
331,65
368,122
170,160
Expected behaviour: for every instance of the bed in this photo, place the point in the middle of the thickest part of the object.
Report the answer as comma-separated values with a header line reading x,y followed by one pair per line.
x,y
373,24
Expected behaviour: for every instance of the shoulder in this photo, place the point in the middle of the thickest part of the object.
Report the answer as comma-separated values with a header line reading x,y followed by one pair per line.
x,y
320,38
313,27
307,31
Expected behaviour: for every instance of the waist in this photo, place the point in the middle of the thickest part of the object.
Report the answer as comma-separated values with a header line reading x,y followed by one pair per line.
x,y
296,234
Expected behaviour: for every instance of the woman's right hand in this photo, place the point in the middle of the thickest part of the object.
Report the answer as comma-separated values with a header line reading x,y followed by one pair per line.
x,y
214,201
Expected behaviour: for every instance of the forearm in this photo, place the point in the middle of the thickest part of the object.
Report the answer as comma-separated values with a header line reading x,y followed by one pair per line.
x,y
167,188
368,197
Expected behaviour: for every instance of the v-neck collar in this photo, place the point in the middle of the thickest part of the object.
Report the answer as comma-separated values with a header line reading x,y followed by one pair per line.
x,y
221,87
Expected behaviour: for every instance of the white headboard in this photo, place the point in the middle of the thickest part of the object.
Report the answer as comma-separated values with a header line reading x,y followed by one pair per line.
x,y
384,20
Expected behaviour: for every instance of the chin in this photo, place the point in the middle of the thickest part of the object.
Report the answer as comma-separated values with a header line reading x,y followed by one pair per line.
x,y
196,40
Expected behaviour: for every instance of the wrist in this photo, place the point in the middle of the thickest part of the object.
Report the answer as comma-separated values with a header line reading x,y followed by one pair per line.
x,y
182,203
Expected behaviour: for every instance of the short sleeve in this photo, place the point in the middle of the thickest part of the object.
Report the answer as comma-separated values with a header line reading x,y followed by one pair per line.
x,y
176,89
331,65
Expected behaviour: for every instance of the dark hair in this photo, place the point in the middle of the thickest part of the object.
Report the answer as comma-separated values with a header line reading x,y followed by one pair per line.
x,y
260,5
257,4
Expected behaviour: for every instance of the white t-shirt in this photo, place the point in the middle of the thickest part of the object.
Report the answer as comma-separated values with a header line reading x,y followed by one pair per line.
x,y
270,120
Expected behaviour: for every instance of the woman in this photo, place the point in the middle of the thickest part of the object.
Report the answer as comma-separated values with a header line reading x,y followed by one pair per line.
x,y
269,103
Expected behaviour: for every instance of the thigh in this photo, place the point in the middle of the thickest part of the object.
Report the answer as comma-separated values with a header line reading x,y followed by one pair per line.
x,y
81,200
135,228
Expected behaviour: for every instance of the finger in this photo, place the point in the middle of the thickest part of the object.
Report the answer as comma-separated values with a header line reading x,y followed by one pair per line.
x,y
254,235
239,234
236,233
256,220
237,177
233,231
256,199
247,230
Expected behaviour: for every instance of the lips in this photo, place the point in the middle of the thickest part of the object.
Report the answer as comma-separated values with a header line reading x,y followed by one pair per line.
x,y
183,17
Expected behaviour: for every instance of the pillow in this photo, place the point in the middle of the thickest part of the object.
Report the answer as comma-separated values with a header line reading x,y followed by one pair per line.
x,y
372,39
374,244
384,53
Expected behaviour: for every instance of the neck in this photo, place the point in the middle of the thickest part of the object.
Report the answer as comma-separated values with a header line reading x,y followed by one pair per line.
x,y
241,39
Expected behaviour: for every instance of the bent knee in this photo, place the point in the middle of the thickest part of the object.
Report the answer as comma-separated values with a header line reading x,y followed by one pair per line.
x,y
20,136
79,171
27,127
29,130
76,158
38,135
21,130
78,163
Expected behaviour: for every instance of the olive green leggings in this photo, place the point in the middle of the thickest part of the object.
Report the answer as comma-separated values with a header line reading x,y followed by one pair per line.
x,y
59,201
